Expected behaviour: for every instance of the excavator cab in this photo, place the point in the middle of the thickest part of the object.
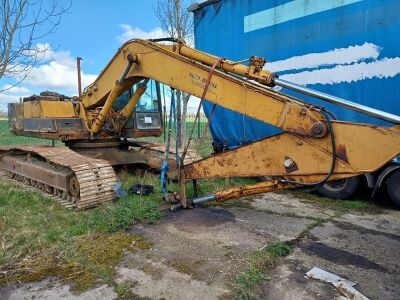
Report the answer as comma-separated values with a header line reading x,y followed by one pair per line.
x,y
146,119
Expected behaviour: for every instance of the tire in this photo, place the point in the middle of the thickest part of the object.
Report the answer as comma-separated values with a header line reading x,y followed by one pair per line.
x,y
393,187
340,189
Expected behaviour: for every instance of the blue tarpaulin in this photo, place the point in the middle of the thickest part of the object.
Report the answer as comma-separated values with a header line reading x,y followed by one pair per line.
x,y
347,48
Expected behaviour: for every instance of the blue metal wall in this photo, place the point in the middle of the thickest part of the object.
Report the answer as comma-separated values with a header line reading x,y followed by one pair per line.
x,y
347,48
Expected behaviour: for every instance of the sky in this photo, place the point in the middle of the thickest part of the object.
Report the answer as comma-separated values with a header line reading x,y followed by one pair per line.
x,y
93,30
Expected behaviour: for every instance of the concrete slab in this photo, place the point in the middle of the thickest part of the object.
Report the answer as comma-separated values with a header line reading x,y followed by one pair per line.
x,y
367,257
158,281
50,290
386,221
208,244
287,203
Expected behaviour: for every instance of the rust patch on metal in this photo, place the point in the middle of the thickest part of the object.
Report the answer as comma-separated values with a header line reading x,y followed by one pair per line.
x,y
341,153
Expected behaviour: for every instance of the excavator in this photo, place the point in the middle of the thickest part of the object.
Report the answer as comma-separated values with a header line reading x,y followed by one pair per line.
x,y
99,129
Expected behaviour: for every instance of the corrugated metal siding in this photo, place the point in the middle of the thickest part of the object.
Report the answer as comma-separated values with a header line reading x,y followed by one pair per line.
x,y
349,49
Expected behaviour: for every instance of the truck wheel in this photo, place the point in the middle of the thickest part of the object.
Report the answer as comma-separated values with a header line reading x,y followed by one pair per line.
x,y
340,189
393,187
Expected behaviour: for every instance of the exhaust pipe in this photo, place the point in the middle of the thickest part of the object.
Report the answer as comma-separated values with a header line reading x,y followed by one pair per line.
x,y
376,113
78,67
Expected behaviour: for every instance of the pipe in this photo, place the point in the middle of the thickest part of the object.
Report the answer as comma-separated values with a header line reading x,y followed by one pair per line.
x,y
78,66
195,201
339,101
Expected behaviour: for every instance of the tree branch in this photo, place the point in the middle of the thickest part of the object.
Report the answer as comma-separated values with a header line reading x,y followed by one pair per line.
x,y
23,22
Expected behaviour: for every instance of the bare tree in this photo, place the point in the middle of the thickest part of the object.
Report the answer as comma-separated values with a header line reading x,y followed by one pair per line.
x,y
177,21
24,23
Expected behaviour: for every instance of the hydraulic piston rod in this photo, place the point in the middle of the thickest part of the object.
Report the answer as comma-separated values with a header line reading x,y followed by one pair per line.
x,y
339,101
112,96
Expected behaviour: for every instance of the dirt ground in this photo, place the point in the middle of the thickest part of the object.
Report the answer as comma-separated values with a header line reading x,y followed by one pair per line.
x,y
196,252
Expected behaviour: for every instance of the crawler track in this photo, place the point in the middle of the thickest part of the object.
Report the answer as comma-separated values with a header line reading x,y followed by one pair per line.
x,y
77,181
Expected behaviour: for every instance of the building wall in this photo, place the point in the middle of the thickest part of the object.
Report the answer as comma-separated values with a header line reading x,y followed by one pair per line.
x,y
347,48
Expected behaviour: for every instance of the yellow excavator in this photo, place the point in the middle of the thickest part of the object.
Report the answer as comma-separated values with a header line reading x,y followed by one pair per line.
x,y
97,128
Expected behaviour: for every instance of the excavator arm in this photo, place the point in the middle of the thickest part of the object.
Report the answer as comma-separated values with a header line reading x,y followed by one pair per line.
x,y
179,67
311,150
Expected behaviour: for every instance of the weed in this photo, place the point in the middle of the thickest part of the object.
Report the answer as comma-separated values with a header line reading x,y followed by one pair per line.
x,y
251,277
124,291
279,249
258,263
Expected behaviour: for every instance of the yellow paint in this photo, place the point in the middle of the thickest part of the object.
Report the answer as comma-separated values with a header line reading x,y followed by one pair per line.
x,y
48,109
180,70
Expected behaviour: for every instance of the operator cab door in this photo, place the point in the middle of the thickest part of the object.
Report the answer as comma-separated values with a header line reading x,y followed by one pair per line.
x,y
146,119
148,114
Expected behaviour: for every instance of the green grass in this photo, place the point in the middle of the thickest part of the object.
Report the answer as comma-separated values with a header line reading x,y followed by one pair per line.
x,y
8,138
354,204
257,265
31,221
339,204
124,292
36,229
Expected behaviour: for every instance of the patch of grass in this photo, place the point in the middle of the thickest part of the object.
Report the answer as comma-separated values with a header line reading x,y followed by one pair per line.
x,y
33,224
248,278
124,291
32,221
279,249
257,265
203,146
187,266
89,260
353,204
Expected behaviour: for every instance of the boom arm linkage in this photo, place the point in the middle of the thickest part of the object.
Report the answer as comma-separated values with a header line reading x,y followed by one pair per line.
x,y
184,68
302,154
